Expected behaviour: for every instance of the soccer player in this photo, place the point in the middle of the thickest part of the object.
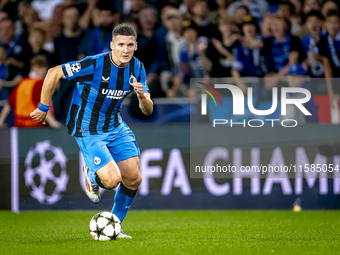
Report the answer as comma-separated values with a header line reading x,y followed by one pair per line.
x,y
106,142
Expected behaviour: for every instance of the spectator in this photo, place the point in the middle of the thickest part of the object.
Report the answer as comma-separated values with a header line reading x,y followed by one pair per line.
x,y
133,24
186,8
85,19
18,50
239,13
45,9
297,78
3,16
215,15
327,6
314,24
191,63
53,27
23,7
310,5
66,49
131,9
329,47
281,50
257,7
30,20
267,30
174,40
26,97
285,9
160,66
147,21
297,6
36,40
10,76
160,63
217,57
199,20
98,40
66,44
248,60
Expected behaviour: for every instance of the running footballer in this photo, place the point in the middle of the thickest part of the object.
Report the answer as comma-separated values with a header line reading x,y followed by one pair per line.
x,y
108,145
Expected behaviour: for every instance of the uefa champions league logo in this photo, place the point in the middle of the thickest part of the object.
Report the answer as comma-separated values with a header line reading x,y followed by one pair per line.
x,y
42,175
76,67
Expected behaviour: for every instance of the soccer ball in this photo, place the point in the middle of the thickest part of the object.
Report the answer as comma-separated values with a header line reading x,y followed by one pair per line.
x,y
105,226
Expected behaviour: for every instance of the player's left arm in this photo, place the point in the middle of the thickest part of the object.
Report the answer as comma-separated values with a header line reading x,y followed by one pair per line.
x,y
144,98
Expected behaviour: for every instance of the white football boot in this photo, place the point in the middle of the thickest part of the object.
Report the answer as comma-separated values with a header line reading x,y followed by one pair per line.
x,y
92,190
123,235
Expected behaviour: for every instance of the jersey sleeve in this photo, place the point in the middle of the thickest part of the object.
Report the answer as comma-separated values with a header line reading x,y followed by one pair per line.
x,y
82,70
142,79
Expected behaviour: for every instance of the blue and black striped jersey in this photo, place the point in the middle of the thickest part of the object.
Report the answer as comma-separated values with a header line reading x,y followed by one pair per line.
x,y
100,91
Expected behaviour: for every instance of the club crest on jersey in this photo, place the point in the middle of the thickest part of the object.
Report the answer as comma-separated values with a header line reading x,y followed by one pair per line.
x,y
114,93
97,160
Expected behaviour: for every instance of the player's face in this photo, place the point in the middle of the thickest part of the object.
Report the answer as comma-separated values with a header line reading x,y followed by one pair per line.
x,y
123,48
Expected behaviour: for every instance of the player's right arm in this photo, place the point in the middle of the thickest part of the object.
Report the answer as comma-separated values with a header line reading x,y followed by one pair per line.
x,y
50,83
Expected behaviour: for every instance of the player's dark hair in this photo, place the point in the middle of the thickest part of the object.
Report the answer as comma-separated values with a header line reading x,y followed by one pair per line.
x,y
333,12
123,29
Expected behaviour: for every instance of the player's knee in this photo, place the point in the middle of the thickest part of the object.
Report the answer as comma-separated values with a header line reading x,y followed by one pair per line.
x,y
113,181
134,181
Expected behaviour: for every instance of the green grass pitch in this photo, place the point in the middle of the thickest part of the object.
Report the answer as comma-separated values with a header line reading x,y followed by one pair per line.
x,y
175,232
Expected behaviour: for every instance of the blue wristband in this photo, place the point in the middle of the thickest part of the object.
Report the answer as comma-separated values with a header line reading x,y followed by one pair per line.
x,y
43,108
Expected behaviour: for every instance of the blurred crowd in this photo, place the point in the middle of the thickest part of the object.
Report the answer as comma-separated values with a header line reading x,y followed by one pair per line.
x,y
177,40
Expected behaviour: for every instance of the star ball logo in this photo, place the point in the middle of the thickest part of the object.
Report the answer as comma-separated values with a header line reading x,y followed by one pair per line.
x,y
239,104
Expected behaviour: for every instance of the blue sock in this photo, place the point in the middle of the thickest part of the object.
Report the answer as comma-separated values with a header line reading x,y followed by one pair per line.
x,y
123,200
